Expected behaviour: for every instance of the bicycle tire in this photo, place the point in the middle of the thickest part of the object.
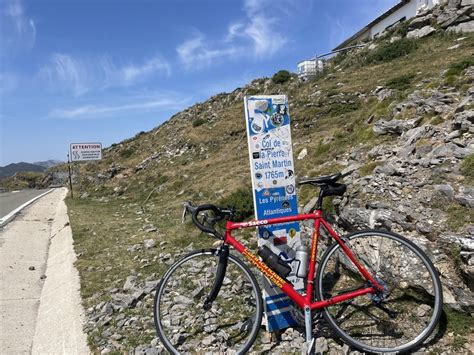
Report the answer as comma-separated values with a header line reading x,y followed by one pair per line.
x,y
233,321
413,292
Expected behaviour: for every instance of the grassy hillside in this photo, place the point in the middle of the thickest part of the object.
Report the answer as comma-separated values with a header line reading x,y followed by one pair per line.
x,y
135,193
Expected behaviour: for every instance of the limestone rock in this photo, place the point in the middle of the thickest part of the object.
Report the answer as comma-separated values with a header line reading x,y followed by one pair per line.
x,y
465,27
422,32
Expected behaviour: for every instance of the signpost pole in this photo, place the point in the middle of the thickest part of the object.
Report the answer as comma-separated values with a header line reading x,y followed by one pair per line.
x,y
70,177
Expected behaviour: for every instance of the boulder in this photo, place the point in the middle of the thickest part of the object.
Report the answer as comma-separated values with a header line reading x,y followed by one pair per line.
x,y
446,190
454,4
414,134
302,154
420,22
463,121
465,27
422,32
465,196
394,126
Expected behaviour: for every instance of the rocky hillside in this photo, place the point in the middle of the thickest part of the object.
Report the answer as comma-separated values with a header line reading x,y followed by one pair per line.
x,y
396,117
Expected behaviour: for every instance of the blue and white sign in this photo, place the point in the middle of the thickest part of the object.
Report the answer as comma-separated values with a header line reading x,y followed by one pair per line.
x,y
274,192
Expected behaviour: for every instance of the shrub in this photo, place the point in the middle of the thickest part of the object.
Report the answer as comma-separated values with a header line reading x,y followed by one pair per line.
x,y
390,51
458,216
127,153
198,122
252,91
467,168
401,82
457,68
340,108
281,77
242,201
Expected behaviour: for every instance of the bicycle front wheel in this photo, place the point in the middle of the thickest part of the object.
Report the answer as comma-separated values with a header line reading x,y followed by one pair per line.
x,y
183,323
403,316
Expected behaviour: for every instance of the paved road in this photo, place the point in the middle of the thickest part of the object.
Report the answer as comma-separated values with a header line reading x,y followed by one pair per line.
x,y
11,200
40,315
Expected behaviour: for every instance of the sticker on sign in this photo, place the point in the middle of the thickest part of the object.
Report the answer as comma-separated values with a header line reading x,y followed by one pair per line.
x,y
86,151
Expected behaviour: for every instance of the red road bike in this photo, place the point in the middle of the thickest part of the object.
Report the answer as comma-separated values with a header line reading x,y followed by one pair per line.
x,y
378,291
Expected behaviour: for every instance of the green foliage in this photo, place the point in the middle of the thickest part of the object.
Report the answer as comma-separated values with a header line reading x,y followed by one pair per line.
x,y
198,122
281,77
389,51
458,342
401,82
455,69
458,322
458,216
252,91
401,29
242,201
455,254
467,168
340,108
127,153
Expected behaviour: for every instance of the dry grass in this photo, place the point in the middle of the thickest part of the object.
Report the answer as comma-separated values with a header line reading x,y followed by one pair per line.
x,y
217,163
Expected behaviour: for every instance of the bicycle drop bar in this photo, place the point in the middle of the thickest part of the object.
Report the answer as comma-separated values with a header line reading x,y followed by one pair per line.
x,y
211,221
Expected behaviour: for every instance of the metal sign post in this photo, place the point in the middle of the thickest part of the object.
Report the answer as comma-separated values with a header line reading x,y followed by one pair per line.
x,y
274,192
70,177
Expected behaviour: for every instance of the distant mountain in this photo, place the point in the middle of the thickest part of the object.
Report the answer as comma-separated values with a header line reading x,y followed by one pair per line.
x,y
48,163
12,169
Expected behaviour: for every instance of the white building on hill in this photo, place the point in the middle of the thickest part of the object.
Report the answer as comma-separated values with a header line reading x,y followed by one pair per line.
x,y
402,11
309,67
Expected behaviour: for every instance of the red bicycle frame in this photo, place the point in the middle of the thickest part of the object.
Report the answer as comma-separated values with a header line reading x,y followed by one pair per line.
x,y
287,287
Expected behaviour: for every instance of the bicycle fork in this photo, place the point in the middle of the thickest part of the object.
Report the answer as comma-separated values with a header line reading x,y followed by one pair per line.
x,y
221,269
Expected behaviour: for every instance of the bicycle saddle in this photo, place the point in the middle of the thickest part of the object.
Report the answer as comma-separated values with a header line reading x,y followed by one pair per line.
x,y
322,180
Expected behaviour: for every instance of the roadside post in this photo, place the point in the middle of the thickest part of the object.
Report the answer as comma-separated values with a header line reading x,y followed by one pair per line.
x,y
70,177
83,152
274,194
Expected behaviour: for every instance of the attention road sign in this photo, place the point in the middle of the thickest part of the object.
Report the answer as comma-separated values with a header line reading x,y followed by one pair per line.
x,y
86,151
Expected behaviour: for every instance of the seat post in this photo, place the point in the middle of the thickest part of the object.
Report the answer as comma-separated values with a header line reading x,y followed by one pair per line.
x,y
319,204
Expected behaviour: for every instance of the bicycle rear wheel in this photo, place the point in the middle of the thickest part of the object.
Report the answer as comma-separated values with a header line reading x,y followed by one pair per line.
x,y
230,325
399,319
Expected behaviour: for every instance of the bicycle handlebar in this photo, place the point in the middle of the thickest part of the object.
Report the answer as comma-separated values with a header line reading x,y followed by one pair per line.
x,y
208,222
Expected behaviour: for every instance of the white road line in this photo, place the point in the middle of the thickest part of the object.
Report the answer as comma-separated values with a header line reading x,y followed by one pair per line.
x,y
5,219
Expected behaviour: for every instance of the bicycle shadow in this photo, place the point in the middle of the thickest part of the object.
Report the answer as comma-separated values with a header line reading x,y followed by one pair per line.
x,y
322,329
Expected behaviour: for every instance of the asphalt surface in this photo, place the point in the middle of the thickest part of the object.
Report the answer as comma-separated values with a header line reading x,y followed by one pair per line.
x,y
11,200
40,305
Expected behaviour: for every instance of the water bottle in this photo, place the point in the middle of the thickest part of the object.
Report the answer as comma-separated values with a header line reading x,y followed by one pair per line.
x,y
274,261
302,257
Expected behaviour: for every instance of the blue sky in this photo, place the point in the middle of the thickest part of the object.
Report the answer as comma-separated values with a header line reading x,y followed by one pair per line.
x,y
104,70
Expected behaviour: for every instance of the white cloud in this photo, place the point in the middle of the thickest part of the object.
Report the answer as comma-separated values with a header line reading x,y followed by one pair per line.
x,y
97,111
131,73
261,29
257,35
196,53
19,29
66,72
79,76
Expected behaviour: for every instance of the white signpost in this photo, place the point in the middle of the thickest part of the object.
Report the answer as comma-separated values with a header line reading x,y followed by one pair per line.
x,y
82,152
274,192
86,151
